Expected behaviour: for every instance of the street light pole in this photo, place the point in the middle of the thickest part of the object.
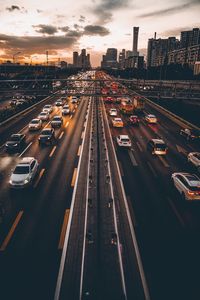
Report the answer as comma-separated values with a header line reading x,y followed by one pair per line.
x,y
15,54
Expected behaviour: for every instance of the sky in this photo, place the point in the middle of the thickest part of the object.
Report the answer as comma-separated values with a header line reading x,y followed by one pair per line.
x,y
29,28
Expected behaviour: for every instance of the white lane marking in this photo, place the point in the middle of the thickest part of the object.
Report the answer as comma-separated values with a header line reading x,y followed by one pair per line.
x,y
120,167
70,117
47,124
152,169
176,212
132,158
25,149
181,150
61,135
139,146
52,151
22,129
39,177
82,135
164,162
67,124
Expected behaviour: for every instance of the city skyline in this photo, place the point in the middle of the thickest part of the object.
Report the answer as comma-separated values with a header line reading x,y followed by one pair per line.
x,y
32,28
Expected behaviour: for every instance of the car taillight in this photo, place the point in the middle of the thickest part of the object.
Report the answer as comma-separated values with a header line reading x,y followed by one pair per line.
x,y
190,193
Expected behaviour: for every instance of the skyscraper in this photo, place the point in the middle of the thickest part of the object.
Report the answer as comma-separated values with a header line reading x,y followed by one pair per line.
x,y
75,59
135,41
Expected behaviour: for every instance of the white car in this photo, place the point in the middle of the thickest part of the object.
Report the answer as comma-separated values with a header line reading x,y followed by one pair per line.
x,y
44,116
188,185
24,173
194,159
66,110
74,100
123,141
117,122
157,146
113,112
35,124
49,107
151,119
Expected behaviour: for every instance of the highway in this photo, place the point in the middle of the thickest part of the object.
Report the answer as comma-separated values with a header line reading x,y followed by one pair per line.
x,y
99,222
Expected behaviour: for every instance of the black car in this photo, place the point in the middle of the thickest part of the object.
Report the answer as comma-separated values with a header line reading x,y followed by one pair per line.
x,y
47,136
190,134
16,142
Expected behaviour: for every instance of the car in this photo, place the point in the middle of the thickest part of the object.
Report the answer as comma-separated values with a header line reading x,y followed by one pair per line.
x,y
133,120
190,134
117,122
188,185
66,110
47,136
49,107
151,119
57,121
13,102
194,159
113,239
157,146
44,116
74,100
59,103
113,112
15,142
123,141
24,173
35,124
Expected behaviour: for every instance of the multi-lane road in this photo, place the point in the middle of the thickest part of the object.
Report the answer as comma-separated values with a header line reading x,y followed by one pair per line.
x,y
99,222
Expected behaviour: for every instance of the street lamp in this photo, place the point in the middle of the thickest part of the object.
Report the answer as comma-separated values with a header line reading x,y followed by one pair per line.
x,y
15,54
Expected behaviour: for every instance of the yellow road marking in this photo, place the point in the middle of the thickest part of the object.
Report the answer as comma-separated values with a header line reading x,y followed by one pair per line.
x,y
52,151
79,150
39,177
61,135
11,232
67,124
63,231
74,177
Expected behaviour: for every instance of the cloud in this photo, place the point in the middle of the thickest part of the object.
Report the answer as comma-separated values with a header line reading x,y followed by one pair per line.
x,y
171,10
28,45
82,18
45,29
64,28
12,8
77,27
105,8
39,11
95,30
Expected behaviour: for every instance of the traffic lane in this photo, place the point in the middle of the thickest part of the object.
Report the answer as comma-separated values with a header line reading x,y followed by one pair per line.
x,y
42,154
38,233
18,123
161,234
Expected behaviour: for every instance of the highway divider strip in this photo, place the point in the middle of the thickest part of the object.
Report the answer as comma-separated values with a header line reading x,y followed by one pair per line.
x,y
64,252
133,235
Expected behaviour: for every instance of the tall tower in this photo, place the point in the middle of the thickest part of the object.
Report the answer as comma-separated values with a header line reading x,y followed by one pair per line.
x,y
135,40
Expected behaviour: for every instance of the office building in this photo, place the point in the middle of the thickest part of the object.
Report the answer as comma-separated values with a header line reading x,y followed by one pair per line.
x,y
109,60
135,41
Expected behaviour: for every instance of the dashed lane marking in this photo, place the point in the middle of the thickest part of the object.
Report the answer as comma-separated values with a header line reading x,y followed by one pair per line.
x,y
67,124
176,212
139,146
61,135
152,169
74,177
70,117
64,228
132,158
82,135
39,177
11,232
162,159
52,151
25,149
79,150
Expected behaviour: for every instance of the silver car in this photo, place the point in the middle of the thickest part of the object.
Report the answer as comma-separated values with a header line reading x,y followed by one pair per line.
x,y
35,124
24,173
194,159
44,116
188,185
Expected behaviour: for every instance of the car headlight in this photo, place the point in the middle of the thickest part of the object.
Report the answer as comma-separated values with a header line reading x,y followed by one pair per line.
x,y
48,138
26,180
15,145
